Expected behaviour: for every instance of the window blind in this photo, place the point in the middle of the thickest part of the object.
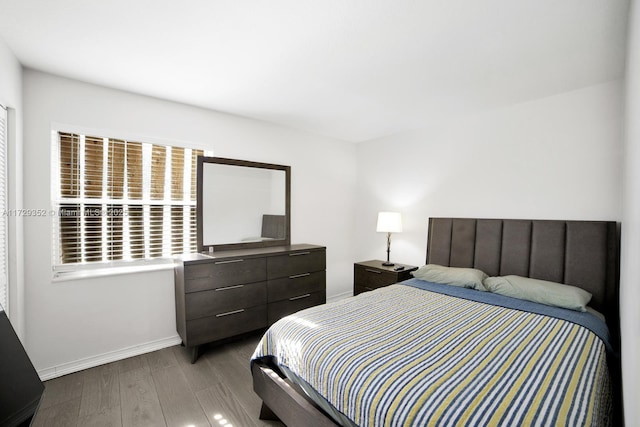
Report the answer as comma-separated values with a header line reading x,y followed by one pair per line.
x,y
119,200
4,229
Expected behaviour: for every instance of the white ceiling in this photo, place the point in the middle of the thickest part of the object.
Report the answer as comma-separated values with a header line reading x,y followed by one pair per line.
x,y
350,69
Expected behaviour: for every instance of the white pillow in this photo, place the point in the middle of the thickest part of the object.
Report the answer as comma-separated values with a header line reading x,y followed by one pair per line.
x,y
464,277
540,291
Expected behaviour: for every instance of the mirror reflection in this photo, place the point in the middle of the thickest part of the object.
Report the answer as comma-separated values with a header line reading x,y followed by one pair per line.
x,y
242,204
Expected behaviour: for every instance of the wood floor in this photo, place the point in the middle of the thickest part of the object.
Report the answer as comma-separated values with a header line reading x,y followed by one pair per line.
x,y
159,389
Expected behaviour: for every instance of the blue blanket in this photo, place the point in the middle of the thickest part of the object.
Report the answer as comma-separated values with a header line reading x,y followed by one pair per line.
x,y
587,320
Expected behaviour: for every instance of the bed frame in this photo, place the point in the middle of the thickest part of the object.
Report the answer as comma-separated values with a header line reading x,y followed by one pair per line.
x,y
579,253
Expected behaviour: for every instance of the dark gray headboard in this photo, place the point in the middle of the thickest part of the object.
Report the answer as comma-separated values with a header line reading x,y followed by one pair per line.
x,y
274,226
578,253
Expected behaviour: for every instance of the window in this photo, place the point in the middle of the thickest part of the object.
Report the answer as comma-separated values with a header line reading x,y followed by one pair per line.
x,y
4,229
116,200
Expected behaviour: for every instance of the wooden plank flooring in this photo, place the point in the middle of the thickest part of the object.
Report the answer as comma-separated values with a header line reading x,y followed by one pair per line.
x,y
159,389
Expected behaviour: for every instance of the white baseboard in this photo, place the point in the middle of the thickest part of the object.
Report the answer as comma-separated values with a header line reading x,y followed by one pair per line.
x,y
112,356
101,359
338,297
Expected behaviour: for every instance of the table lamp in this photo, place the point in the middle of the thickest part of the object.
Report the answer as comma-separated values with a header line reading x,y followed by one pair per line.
x,y
389,222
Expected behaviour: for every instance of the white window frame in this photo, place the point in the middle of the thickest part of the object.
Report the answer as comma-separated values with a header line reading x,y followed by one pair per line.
x,y
72,271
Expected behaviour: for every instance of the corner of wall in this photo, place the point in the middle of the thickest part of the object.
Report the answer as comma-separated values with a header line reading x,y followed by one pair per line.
x,y
11,90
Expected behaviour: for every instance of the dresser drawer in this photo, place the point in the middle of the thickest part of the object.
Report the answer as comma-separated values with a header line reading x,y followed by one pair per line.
x,y
296,263
372,278
279,309
226,324
226,272
225,299
298,284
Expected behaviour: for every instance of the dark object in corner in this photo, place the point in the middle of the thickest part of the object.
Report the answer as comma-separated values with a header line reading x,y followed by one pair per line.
x,y
21,388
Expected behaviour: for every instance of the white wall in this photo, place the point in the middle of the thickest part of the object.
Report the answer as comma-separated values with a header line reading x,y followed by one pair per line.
x,y
11,97
75,322
554,158
630,267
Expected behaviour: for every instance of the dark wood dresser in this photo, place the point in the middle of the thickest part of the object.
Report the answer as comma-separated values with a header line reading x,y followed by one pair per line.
x,y
370,275
227,293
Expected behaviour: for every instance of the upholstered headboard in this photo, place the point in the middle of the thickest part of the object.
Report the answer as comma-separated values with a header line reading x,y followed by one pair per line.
x,y
579,253
273,226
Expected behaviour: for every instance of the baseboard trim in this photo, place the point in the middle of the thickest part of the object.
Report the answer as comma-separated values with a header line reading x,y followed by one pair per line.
x,y
101,359
136,350
339,297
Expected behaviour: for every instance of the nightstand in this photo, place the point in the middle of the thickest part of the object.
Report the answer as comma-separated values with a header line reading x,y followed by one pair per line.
x,y
370,275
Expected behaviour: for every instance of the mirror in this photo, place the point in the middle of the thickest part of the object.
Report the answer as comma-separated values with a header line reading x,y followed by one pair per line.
x,y
242,204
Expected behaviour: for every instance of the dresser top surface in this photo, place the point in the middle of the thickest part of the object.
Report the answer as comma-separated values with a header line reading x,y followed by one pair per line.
x,y
253,252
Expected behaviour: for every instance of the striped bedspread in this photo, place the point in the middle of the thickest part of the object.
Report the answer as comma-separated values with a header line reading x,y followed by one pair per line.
x,y
403,356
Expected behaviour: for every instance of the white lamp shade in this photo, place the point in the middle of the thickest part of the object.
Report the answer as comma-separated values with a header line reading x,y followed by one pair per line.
x,y
389,222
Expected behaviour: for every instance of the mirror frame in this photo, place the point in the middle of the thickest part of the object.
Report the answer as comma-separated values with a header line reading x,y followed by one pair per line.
x,y
241,163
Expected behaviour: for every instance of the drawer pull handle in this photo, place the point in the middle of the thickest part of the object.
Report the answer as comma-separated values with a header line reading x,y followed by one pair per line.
x,y
300,253
373,271
300,275
228,262
226,288
230,312
300,297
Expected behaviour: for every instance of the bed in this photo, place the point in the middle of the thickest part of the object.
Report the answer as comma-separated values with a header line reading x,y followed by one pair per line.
x,y
423,353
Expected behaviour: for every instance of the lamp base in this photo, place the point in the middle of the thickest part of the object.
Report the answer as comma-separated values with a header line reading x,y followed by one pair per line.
x,y
388,264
